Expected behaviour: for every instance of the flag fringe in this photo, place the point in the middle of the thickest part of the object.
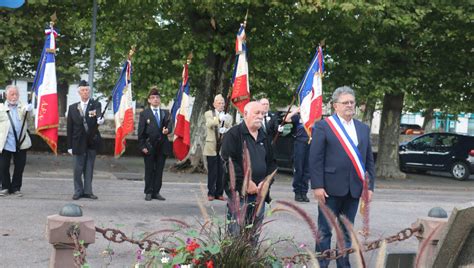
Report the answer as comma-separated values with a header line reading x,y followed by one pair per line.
x,y
52,145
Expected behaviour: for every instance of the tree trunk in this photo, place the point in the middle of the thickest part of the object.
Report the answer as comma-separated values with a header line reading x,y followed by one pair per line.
x,y
428,121
387,157
369,113
215,82
63,87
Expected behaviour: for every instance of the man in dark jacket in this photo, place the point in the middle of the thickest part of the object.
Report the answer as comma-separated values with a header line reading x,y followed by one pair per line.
x,y
270,120
261,159
83,140
341,164
153,127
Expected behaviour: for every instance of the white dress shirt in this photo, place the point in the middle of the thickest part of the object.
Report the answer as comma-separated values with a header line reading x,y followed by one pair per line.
x,y
84,105
351,130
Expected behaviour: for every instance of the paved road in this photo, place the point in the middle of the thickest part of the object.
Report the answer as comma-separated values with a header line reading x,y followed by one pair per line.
x,y
48,186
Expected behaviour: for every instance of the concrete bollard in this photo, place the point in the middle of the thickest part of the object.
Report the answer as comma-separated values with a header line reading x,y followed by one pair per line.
x,y
58,227
432,230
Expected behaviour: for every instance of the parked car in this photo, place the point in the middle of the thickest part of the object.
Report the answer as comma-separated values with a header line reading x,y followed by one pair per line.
x,y
439,152
411,129
283,149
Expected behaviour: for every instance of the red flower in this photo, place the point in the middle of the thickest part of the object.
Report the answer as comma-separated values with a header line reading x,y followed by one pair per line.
x,y
195,261
173,252
209,264
191,247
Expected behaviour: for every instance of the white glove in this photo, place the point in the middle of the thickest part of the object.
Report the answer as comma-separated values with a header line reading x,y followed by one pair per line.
x,y
29,107
222,130
100,120
280,128
222,116
69,151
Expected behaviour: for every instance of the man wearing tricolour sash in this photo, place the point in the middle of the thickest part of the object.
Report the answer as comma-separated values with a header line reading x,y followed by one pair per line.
x,y
341,162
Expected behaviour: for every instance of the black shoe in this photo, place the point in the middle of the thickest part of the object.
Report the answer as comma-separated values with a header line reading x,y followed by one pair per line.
x,y
76,196
90,196
305,198
299,198
148,197
159,197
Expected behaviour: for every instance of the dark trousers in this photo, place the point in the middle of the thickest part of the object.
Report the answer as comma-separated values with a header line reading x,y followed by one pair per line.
x,y
301,167
154,165
84,167
215,176
345,205
19,160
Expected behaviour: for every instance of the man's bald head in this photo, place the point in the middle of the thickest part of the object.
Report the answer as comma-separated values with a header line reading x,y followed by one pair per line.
x,y
253,115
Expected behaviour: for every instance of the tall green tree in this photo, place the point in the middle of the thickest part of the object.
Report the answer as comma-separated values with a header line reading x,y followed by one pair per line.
x,y
22,41
411,55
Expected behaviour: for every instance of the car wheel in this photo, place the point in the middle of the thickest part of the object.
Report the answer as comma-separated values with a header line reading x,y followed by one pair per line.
x,y
460,171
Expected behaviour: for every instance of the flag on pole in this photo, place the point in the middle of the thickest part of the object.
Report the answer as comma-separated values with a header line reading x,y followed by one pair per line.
x,y
123,109
240,79
310,92
45,89
182,112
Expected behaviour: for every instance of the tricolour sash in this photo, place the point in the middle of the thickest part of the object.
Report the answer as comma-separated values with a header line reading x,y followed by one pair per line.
x,y
349,147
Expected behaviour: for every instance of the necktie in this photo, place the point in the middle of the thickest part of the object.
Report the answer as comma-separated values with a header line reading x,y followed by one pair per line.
x,y
157,117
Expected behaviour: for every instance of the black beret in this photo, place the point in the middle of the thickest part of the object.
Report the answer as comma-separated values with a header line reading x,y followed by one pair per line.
x,y
154,91
83,83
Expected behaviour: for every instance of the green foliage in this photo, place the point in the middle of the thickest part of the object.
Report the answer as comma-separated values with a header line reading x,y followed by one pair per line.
x,y
418,48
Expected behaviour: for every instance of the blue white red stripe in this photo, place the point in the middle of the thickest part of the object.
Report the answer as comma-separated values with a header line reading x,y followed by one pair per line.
x,y
240,79
310,92
240,46
45,88
123,108
182,132
349,147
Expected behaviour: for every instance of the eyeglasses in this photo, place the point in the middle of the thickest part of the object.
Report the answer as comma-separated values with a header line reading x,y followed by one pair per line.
x,y
347,103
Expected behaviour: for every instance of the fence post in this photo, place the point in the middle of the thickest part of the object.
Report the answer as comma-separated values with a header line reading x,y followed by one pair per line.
x,y
58,228
432,229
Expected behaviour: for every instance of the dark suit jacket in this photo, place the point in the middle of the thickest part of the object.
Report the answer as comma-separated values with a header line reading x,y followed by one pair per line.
x,y
271,124
150,136
78,139
331,168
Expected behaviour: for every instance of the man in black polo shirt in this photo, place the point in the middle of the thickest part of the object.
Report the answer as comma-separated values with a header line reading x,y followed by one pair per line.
x,y
261,158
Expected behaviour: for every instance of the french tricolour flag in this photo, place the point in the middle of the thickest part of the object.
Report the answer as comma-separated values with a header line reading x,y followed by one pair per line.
x,y
182,112
310,92
45,88
240,80
123,109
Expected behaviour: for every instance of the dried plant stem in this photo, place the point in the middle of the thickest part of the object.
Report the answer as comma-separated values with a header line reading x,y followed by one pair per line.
x,y
332,220
307,218
381,256
356,245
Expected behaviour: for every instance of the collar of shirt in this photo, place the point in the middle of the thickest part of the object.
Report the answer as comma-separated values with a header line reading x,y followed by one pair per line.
x,y
260,136
157,109
10,105
347,123
349,126
84,103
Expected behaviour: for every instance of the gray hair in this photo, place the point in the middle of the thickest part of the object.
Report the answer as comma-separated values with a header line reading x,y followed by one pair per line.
x,y
219,97
10,87
341,91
